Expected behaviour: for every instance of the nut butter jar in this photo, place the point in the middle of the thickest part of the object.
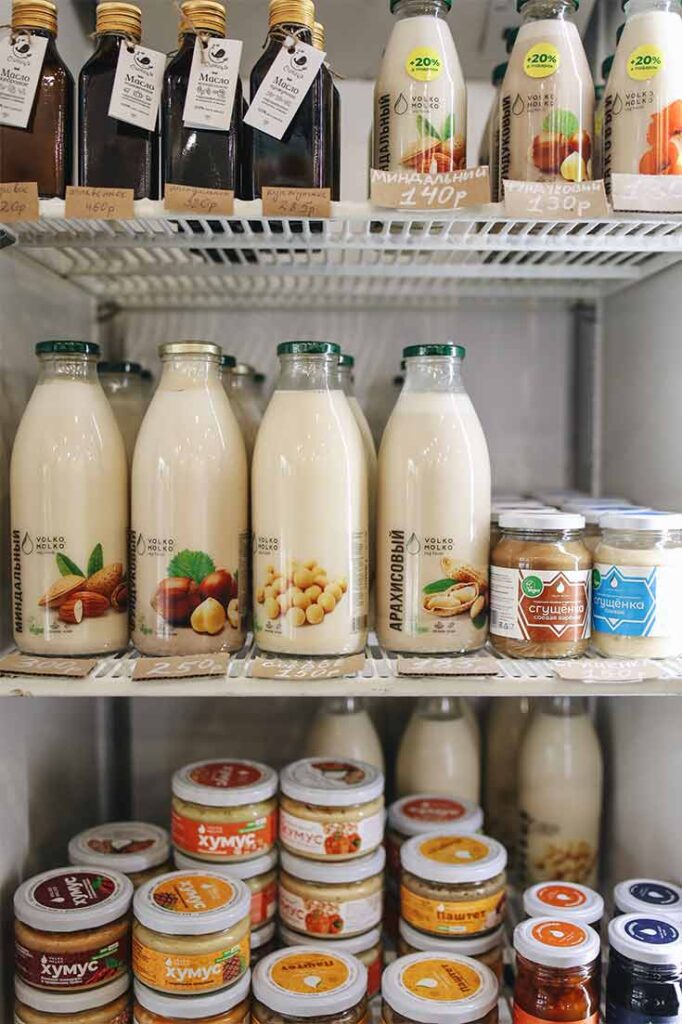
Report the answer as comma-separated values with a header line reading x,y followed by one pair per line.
x,y
564,900
229,1006
438,988
421,813
488,949
134,848
109,1004
259,874
368,948
313,984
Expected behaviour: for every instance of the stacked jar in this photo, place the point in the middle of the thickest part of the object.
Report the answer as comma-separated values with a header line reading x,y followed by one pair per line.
x,y
136,849
565,900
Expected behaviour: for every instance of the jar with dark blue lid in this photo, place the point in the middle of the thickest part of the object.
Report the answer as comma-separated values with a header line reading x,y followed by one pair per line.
x,y
644,984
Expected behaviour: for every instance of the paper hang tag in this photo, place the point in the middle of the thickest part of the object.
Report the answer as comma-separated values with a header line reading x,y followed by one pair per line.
x,y
592,670
19,201
17,664
284,88
138,82
21,62
561,200
450,190
212,84
481,665
84,202
206,202
297,202
643,193
178,667
264,667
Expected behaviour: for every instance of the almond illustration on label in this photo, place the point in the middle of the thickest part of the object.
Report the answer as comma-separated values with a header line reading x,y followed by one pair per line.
x,y
77,595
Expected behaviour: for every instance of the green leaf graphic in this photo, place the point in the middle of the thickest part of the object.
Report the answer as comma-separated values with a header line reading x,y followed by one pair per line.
x,y
424,127
96,560
563,122
195,564
439,586
448,127
67,567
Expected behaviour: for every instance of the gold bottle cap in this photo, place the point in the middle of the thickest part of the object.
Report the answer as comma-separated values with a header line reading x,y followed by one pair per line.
x,y
34,14
117,17
318,36
203,16
292,12
189,348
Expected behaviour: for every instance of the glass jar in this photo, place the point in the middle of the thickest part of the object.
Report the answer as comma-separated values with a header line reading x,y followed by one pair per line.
x,y
109,1004
558,972
368,949
134,848
263,942
229,1006
282,992
422,813
637,586
648,896
540,586
644,983
437,988
568,901
259,874
332,900
487,949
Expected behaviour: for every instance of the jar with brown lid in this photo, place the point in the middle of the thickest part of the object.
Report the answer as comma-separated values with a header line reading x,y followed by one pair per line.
x,y
109,1004
136,849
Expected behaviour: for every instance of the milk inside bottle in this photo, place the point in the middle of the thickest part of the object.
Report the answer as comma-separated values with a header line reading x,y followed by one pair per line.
x,y
433,512
69,511
122,384
238,379
343,728
420,100
438,752
309,511
547,98
189,519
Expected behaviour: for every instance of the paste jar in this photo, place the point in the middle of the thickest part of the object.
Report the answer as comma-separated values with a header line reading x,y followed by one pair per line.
x,y
438,988
565,900
453,884
310,984
644,981
487,949
72,928
191,932
224,810
108,1004
558,972
637,586
331,810
134,848
260,875
229,1006
540,586
422,813
648,897
368,949
334,900
263,942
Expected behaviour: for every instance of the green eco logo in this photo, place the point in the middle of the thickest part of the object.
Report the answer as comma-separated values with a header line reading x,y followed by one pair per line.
x,y
596,578
532,586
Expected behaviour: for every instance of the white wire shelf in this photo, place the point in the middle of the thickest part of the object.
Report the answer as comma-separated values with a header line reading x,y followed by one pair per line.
x,y
372,257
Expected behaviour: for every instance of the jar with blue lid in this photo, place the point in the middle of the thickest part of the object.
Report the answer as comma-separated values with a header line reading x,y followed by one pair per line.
x,y
644,984
649,896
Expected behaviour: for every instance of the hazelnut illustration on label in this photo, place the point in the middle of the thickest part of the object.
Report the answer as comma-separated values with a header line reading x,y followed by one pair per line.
x,y
303,595
75,594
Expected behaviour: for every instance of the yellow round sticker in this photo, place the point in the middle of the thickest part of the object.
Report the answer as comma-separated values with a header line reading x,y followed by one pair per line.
x,y
309,973
645,62
454,849
424,64
441,980
542,60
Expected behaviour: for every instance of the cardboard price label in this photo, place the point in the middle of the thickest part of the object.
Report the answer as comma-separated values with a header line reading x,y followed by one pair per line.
x,y
19,201
205,202
17,664
561,200
190,667
410,190
263,667
86,203
588,670
483,665
297,202
642,193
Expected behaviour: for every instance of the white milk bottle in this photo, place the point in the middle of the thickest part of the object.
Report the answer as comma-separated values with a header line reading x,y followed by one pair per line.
x,y
433,512
506,723
239,382
123,385
560,793
189,519
309,511
547,98
346,364
69,510
438,752
643,103
343,728
420,99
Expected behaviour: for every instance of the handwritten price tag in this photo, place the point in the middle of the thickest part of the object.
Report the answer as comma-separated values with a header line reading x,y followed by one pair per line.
x,y
205,202
409,190
19,201
85,203
297,202
561,200
478,666
263,667
31,665
181,667
588,670
641,193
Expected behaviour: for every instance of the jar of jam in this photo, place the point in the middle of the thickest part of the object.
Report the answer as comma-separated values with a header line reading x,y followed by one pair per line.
x,y
566,900
558,972
649,898
644,984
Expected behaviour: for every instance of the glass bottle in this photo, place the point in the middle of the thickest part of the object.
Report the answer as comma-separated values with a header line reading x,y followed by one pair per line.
x,y
43,151
123,386
346,364
111,153
438,753
343,728
200,157
238,380
506,723
332,104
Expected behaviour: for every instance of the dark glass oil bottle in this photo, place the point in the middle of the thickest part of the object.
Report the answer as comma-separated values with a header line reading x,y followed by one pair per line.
x,y
43,151
331,108
111,153
200,157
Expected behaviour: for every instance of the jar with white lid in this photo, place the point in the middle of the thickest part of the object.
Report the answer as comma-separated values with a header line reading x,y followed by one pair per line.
x,y
229,1006
422,813
565,900
224,811
191,932
109,1004
438,988
453,884
593,514
644,981
558,972
368,949
331,810
334,900
72,928
648,896
260,875
263,942
637,586
488,949
309,984
134,848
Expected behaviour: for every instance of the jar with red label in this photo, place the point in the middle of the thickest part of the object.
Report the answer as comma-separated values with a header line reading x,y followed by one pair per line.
x,y
108,1004
309,983
260,875
558,972
224,810
229,1006
134,848
487,949
72,928
566,900
438,988
422,813
368,948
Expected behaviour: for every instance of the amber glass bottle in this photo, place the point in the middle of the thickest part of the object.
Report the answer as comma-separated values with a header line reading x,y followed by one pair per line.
x,y
301,159
111,153
333,105
198,156
43,151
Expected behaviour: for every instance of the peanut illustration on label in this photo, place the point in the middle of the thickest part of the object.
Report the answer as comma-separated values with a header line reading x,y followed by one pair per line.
x,y
462,589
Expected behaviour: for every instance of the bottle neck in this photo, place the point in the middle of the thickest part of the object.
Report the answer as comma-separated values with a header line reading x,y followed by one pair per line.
x,y
68,367
564,707
34,30
301,32
439,707
308,373
648,6
543,10
346,380
182,372
421,9
434,373
344,706
113,383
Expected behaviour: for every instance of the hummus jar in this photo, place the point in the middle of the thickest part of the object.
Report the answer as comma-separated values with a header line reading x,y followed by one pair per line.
x,y
109,1004
423,813
487,949
260,875
230,1006
331,810
308,984
72,929
224,811
335,900
438,988
647,896
368,949
134,848
263,942
566,900
453,885
558,972
191,933
540,586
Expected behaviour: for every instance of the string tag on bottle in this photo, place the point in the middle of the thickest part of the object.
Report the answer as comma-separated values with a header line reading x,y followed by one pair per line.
x,y
212,83
21,62
138,82
284,88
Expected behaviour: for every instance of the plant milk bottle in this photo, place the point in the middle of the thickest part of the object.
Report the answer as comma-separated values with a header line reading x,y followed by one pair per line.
x,y
547,99
343,728
239,382
560,793
438,752
346,364
189,518
433,512
643,104
506,723
122,384
69,511
309,511
420,99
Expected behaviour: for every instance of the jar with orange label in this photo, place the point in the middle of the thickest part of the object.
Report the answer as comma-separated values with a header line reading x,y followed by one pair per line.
x,y
309,985
558,972
438,988
229,1006
109,1004
453,885
134,848
566,900
224,811
422,813
487,949
260,875
368,948
191,932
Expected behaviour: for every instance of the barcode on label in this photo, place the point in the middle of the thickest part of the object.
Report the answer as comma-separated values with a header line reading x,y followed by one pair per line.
x,y
358,582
